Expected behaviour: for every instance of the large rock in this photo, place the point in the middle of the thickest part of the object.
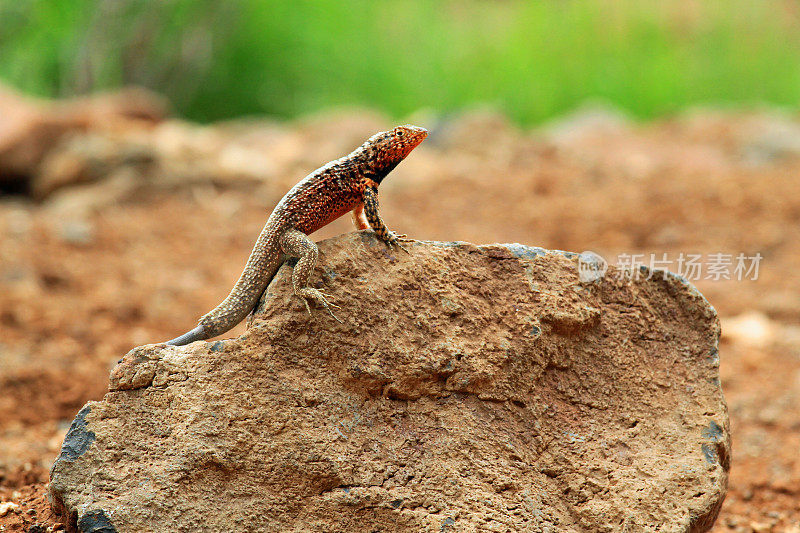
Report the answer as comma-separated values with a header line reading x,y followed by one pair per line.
x,y
30,129
468,387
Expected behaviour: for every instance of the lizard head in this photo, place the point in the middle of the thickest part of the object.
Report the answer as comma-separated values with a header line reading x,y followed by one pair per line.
x,y
385,150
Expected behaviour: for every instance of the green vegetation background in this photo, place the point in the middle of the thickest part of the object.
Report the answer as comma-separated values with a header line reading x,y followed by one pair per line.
x,y
533,59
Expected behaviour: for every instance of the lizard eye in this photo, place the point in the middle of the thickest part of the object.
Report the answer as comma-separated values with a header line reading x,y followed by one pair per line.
x,y
400,133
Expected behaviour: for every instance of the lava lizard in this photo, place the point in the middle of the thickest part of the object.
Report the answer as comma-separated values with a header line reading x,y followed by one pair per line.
x,y
347,184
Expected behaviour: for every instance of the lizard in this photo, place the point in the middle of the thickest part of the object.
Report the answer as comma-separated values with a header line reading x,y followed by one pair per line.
x,y
349,184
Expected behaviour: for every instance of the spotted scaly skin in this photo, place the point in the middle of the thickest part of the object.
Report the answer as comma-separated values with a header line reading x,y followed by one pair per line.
x,y
349,184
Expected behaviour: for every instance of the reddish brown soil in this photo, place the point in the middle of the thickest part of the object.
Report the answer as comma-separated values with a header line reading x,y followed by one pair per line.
x,y
77,292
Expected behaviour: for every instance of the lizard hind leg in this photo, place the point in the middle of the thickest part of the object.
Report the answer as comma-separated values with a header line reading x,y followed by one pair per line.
x,y
359,217
297,244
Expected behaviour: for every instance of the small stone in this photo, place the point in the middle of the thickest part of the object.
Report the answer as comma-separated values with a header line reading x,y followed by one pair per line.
x,y
752,329
770,138
78,232
760,527
593,119
7,507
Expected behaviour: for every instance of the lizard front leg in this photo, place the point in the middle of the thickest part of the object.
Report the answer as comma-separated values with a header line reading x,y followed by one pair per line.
x,y
375,220
295,243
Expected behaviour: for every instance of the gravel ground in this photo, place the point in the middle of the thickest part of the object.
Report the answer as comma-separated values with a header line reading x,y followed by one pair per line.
x,y
135,233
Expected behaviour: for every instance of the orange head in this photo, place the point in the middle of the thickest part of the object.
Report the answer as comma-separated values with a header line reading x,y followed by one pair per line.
x,y
384,151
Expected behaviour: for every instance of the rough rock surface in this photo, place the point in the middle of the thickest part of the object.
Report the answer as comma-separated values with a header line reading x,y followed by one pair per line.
x,y
468,387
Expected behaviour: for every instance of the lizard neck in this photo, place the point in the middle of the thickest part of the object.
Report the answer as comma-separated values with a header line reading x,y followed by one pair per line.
x,y
372,163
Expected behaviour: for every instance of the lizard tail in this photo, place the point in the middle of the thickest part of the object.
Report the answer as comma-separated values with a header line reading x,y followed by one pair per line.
x,y
264,261
197,334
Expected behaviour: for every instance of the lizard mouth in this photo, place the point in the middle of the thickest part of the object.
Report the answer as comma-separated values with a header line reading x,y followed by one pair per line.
x,y
414,135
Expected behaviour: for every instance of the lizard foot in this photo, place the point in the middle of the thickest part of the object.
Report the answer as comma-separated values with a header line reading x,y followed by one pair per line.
x,y
316,295
394,240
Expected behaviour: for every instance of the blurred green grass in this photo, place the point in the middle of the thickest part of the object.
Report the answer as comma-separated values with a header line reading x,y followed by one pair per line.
x,y
533,60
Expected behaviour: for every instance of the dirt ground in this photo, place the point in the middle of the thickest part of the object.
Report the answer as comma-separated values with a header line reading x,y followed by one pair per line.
x,y
136,252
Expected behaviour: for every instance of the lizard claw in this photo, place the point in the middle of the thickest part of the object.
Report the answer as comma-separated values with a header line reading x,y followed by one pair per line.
x,y
334,316
402,237
394,240
328,302
308,293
